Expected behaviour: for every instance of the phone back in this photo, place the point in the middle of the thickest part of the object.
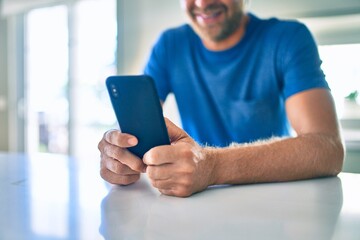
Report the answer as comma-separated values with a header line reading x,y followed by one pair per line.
x,y
138,111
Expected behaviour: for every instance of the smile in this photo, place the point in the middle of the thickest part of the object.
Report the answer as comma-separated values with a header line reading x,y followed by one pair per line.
x,y
209,17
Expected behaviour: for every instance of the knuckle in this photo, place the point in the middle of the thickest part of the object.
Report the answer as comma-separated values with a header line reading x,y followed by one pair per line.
x,y
168,192
187,169
100,145
118,179
182,192
186,183
188,163
105,174
154,183
126,180
117,167
187,153
108,135
116,138
113,151
151,172
138,165
149,157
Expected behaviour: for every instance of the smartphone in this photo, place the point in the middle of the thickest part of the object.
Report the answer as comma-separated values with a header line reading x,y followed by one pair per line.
x,y
138,111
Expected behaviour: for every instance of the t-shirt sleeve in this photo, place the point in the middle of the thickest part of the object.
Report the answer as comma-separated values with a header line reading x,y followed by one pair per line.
x,y
300,62
156,67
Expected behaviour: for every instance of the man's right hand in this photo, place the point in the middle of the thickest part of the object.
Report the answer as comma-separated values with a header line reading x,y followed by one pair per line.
x,y
118,165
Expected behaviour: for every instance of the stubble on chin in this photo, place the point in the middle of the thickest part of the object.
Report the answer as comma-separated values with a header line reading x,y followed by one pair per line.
x,y
219,31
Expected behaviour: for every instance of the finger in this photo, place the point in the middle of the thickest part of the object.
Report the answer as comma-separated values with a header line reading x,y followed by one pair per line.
x,y
175,133
159,155
120,139
124,156
116,166
113,178
168,192
175,191
162,184
168,154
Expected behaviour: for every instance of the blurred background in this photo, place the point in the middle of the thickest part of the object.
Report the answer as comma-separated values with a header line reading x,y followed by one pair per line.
x,y
56,54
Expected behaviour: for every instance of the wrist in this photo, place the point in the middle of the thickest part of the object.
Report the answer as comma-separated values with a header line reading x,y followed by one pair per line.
x,y
211,160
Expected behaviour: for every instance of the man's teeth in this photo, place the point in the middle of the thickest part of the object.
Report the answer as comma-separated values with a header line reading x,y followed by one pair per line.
x,y
210,16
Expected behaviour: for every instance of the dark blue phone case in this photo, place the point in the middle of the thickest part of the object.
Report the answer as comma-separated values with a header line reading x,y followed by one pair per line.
x,y
138,111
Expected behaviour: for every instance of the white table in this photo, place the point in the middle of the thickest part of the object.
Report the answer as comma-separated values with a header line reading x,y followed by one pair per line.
x,y
56,197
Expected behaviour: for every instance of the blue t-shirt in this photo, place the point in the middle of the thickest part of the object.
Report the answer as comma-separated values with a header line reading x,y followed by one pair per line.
x,y
236,95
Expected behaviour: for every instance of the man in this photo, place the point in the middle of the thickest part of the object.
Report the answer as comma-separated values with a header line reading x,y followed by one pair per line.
x,y
240,83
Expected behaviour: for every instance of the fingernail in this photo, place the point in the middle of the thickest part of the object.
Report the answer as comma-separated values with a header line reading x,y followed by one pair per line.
x,y
132,141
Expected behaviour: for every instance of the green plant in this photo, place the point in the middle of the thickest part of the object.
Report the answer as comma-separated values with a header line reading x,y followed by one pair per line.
x,y
352,96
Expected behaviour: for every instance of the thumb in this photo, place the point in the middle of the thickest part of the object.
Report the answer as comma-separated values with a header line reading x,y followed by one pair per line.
x,y
175,133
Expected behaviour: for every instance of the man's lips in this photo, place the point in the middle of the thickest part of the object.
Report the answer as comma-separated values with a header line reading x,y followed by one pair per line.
x,y
208,17
212,14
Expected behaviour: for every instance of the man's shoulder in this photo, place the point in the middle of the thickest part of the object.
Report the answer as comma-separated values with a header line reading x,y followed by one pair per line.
x,y
174,36
279,30
178,31
279,24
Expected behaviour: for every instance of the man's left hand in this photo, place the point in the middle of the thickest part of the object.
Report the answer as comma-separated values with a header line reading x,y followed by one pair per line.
x,y
179,169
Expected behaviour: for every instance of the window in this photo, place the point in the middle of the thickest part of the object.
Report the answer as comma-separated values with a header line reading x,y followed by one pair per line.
x,y
341,64
47,80
71,49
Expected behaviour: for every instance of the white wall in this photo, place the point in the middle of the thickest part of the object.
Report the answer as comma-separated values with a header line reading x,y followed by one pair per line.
x,y
140,24
4,145
305,8
331,21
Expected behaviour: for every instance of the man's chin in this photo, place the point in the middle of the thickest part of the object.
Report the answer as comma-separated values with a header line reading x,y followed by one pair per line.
x,y
212,33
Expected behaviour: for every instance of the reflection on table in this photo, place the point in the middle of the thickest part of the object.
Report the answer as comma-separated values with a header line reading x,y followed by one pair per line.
x,y
325,208
50,197
56,197
296,210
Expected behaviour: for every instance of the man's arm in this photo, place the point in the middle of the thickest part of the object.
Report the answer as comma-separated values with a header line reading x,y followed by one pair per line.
x,y
316,151
185,168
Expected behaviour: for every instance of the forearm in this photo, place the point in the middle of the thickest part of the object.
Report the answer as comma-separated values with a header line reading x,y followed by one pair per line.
x,y
306,156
